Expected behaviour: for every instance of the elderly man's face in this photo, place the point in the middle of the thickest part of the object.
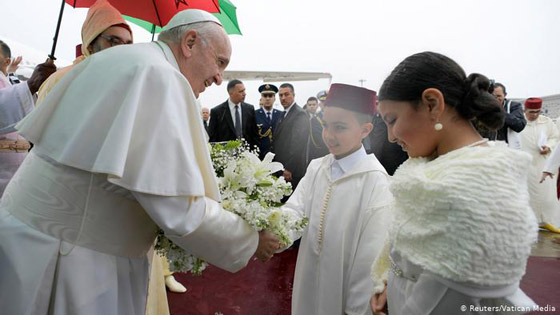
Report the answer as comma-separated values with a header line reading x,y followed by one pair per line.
x,y
532,114
205,59
268,100
286,97
113,36
205,113
499,94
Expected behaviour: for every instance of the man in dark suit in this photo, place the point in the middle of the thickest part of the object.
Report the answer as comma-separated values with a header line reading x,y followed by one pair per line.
x,y
515,120
316,148
267,118
290,136
233,119
389,154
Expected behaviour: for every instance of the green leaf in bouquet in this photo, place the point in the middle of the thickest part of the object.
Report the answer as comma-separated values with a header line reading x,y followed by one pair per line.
x,y
264,183
233,144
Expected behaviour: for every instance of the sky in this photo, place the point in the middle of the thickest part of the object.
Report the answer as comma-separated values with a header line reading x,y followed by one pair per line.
x,y
516,42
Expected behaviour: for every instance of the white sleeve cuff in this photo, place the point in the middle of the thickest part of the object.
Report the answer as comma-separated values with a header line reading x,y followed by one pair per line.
x,y
201,227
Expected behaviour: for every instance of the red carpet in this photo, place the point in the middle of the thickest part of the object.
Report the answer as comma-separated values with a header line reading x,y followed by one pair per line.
x,y
261,288
542,282
265,288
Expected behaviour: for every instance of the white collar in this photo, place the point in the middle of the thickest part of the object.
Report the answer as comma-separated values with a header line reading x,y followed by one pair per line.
x,y
232,105
348,162
288,109
168,54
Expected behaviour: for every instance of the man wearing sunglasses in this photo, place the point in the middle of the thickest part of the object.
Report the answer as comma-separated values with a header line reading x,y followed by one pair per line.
x,y
266,117
103,28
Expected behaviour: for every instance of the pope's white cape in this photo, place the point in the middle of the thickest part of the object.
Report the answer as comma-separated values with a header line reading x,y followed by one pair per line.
x,y
146,140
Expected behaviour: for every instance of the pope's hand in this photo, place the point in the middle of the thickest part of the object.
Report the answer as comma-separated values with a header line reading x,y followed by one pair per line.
x,y
378,302
268,245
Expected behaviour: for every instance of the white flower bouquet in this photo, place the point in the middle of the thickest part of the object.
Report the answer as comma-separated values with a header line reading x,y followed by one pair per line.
x,y
248,189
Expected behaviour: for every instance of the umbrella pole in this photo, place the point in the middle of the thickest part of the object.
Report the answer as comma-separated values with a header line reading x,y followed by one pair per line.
x,y
153,31
57,30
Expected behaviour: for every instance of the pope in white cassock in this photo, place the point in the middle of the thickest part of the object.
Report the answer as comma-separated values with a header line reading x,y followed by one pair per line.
x,y
346,197
115,157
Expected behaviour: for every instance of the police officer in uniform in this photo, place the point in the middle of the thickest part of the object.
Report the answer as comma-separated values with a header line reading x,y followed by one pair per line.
x,y
266,117
321,96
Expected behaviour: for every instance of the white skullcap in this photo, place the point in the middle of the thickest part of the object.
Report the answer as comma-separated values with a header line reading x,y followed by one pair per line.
x,y
190,16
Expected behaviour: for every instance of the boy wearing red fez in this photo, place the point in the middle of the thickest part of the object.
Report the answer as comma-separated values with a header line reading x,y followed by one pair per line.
x,y
346,197
539,138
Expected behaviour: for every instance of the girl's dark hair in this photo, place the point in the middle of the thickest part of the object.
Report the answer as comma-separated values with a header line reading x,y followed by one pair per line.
x,y
467,95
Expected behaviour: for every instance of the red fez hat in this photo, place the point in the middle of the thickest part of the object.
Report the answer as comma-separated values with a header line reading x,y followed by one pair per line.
x,y
79,50
533,103
356,99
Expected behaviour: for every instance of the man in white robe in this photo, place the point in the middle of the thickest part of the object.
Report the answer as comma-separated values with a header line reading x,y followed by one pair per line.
x,y
346,197
15,103
115,158
539,138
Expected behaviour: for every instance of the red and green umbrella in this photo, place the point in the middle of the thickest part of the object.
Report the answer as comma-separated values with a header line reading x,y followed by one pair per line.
x,y
227,17
157,12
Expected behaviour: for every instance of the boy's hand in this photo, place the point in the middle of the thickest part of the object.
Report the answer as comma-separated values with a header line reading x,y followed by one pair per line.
x,y
268,245
545,150
287,175
378,302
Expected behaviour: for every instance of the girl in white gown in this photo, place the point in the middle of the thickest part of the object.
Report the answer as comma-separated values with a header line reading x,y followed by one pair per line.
x,y
463,226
